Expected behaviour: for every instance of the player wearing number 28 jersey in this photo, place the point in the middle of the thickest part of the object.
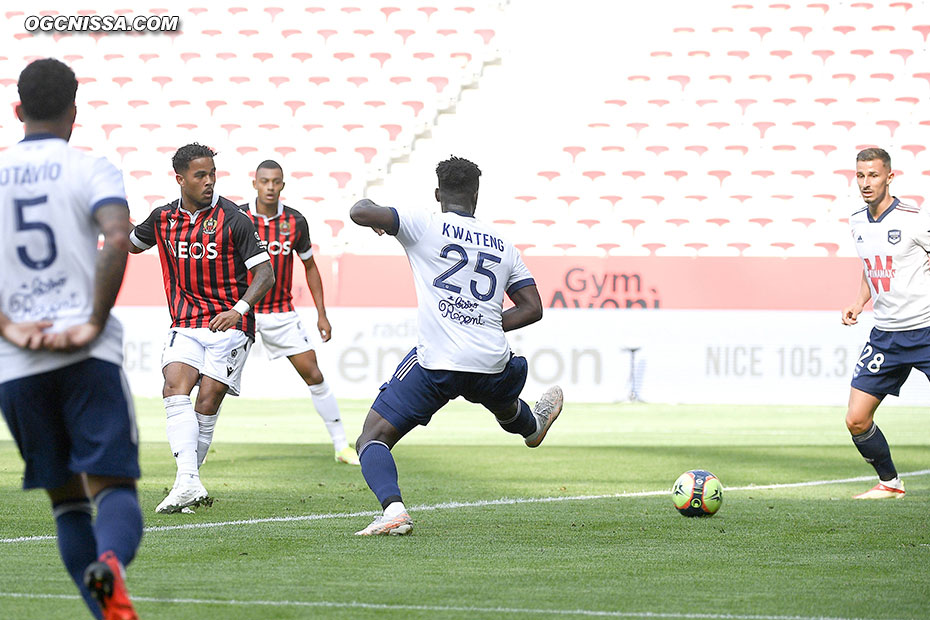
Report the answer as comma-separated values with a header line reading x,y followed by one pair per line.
x,y
893,241
461,268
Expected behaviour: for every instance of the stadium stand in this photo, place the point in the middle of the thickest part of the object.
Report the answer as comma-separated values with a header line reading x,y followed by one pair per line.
x,y
723,136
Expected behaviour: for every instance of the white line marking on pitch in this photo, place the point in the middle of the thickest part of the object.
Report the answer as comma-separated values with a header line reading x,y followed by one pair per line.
x,y
475,504
439,608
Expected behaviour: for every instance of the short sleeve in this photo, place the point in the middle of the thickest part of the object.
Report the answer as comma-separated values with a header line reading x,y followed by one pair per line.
x,y
411,225
302,243
520,276
143,235
105,185
922,238
246,240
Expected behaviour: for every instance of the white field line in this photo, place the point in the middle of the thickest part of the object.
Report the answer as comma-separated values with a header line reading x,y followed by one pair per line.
x,y
495,611
476,504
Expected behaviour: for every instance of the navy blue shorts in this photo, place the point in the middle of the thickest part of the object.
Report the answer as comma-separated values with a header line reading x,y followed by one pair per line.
x,y
414,393
75,419
887,360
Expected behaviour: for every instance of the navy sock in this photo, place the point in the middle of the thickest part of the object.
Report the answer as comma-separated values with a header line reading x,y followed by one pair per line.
x,y
524,423
118,526
76,543
874,449
380,472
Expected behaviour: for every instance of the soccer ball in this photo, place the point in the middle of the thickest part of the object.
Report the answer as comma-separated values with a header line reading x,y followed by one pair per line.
x,y
697,493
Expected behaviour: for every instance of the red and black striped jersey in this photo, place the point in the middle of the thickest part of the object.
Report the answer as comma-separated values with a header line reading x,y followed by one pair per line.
x,y
205,259
285,234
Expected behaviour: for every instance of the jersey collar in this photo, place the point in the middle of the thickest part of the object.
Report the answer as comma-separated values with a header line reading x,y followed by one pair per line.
x,y
253,209
196,214
868,213
40,136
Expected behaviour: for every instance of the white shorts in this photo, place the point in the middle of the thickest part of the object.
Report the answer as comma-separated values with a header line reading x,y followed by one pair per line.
x,y
218,355
282,334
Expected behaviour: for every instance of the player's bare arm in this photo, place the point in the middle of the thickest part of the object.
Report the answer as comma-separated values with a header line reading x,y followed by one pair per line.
x,y
527,308
262,281
851,313
113,220
315,283
380,219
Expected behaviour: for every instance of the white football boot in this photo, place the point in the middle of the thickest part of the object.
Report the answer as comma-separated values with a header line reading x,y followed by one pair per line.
x,y
186,495
385,526
547,409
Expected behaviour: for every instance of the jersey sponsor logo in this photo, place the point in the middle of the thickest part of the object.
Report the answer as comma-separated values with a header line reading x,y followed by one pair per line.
x,y
195,250
894,236
880,274
278,247
209,226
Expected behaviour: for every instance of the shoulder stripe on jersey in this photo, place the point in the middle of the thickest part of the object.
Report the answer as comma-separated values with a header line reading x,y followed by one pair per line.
x,y
859,211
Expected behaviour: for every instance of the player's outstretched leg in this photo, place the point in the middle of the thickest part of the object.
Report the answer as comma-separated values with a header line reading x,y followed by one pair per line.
x,y
380,473
547,409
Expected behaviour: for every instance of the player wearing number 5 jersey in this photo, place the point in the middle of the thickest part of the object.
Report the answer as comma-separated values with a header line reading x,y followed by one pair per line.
x,y
462,268
893,240
62,388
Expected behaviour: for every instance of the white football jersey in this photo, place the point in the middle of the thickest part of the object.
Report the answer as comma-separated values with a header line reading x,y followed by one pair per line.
x,y
48,194
894,251
461,269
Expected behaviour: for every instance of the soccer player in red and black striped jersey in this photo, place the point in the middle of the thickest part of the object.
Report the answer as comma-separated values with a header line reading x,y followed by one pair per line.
x,y
208,248
286,233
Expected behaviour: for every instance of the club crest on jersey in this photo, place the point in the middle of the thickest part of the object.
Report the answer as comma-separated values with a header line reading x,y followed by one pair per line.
x,y
894,236
209,226
285,226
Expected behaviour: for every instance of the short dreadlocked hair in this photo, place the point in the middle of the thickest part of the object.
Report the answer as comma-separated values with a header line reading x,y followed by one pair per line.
x,y
182,158
458,176
46,89
875,153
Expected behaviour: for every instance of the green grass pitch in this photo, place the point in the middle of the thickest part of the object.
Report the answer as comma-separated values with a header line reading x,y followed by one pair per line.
x,y
783,552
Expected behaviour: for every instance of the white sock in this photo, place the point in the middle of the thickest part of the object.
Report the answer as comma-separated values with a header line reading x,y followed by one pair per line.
x,y
894,483
207,423
325,402
182,431
394,509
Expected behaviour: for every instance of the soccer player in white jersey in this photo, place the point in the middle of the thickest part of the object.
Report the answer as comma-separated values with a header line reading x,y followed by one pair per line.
x,y
461,269
62,388
893,240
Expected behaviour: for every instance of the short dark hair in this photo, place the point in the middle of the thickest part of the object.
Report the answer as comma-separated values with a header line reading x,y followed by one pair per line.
x,y
46,89
458,176
182,158
270,164
873,154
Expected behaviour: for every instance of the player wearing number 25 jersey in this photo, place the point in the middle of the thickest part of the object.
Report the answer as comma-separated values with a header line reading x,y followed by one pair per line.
x,y
893,241
461,268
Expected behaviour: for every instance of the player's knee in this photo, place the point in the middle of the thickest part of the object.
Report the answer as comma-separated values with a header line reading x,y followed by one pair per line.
x,y
314,376
857,424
